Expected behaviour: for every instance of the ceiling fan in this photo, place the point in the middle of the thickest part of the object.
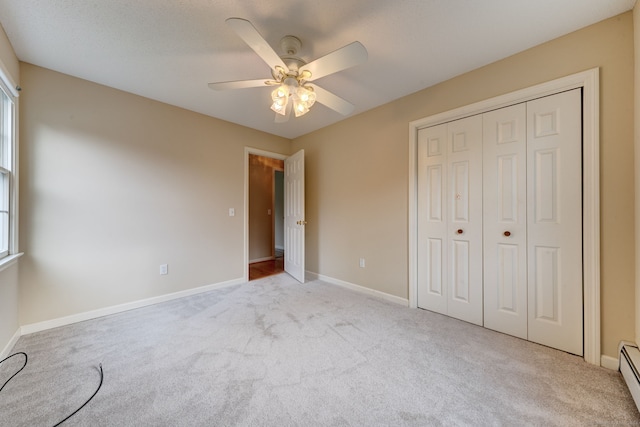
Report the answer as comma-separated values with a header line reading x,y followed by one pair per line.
x,y
291,75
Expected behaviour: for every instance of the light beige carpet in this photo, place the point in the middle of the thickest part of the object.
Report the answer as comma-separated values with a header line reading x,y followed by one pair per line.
x,y
276,353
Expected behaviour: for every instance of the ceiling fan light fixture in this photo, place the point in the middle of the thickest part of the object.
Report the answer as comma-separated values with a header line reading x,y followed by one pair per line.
x,y
280,97
306,95
299,108
303,99
281,92
280,106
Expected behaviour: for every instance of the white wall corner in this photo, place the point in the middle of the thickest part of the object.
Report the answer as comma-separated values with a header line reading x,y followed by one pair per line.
x,y
311,276
12,342
609,362
636,140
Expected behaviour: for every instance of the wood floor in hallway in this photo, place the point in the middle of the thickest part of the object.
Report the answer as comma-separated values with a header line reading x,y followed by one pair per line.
x,y
266,268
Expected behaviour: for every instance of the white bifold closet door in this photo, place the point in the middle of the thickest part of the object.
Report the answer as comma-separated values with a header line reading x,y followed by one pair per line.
x,y
505,220
450,219
500,220
554,224
532,185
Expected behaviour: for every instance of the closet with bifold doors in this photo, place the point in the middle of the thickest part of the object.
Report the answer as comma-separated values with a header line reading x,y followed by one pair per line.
x,y
500,220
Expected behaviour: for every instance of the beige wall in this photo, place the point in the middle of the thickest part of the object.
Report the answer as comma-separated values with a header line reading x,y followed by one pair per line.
x,y
9,277
261,201
8,57
113,185
636,116
357,170
8,305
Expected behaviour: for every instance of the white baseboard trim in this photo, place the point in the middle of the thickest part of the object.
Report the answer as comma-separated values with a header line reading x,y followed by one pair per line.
x,y
87,315
358,288
7,348
609,362
612,362
267,258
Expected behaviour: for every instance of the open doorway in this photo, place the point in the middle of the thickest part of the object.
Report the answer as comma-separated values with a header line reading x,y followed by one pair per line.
x,y
294,212
265,216
278,209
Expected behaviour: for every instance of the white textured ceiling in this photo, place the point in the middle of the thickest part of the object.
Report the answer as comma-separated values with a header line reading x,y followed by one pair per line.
x,y
169,50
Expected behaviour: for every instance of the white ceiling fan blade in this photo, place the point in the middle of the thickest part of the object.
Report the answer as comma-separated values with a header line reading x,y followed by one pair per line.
x,y
332,101
238,84
252,37
341,59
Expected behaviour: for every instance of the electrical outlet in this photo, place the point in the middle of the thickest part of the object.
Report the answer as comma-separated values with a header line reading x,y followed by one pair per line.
x,y
164,269
362,263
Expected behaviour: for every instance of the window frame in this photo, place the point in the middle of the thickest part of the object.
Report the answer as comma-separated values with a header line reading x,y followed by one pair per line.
x,y
9,169
5,210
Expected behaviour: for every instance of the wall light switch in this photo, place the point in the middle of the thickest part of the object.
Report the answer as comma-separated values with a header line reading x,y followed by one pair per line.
x,y
232,212
164,269
362,263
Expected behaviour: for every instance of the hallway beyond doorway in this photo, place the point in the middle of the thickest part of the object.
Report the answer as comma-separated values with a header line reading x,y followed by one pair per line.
x,y
258,270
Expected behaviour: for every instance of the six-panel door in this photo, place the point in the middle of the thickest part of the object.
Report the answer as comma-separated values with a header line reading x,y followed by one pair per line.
x,y
450,219
294,217
505,220
554,227
507,212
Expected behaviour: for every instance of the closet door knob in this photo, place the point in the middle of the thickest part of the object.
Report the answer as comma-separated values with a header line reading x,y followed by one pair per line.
x,y
507,233
460,231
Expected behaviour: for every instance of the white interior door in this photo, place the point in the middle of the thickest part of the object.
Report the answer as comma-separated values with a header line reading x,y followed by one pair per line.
x,y
505,220
432,219
450,219
294,221
554,205
464,195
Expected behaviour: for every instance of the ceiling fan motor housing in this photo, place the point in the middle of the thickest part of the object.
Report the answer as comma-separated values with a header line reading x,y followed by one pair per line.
x,y
290,46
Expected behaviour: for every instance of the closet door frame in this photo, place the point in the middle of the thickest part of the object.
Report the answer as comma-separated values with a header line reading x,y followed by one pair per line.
x,y
589,82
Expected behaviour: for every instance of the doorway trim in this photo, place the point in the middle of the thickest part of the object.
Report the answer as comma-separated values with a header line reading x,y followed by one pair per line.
x,y
589,81
257,152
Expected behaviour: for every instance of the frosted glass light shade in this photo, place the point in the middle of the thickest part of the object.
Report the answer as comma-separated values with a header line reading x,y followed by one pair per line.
x,y
280,97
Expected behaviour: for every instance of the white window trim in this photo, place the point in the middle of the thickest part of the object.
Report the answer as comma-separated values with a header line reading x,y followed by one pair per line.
x,y
6,83
5,172
8,261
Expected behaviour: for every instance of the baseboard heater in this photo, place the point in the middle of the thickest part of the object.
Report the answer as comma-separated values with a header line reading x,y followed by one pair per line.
x,y
630,369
